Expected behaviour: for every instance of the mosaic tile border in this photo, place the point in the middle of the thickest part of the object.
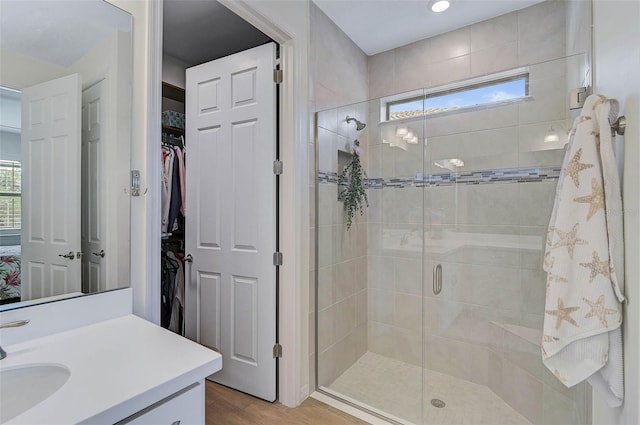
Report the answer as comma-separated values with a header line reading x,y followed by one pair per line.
x,y
501,175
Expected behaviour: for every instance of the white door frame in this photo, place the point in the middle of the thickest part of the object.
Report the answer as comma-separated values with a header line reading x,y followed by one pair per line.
x,y
293,298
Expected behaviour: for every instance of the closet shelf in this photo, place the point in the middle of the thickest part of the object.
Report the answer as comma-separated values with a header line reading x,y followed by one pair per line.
x,y
173,92
174,130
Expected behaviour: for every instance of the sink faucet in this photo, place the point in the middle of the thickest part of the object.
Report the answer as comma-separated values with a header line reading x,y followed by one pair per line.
x,y
15,324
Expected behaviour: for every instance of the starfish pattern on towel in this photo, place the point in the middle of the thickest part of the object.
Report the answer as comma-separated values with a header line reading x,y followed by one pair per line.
x,y
563,313
600,101
550,231
569,239
559,376
553,278
596,199
574,167
599,310
550,338
597,267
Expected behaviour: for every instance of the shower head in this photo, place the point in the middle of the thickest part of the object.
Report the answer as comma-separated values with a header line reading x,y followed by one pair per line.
x,y
359,125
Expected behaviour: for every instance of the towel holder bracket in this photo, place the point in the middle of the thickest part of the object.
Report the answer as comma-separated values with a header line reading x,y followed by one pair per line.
x,y
619,126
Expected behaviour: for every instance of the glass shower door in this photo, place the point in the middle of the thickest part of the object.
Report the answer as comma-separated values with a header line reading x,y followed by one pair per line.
x,y
369,279
492,174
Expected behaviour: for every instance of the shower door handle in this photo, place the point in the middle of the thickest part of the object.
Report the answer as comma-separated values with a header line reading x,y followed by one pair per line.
x,y
437,279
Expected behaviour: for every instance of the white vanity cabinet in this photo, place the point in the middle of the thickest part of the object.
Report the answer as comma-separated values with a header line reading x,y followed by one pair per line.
x,y
186,407
124,369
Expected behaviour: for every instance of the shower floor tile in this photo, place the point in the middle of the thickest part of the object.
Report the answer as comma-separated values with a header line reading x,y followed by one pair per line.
x,y
395,387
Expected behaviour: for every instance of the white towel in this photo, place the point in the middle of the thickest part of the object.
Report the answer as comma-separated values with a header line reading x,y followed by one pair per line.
x,y
584,260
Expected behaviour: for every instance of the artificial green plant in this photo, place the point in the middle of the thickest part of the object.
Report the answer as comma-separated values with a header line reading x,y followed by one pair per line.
x,y
352,182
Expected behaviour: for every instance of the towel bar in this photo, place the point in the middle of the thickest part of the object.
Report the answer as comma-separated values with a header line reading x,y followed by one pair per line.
x,y
619,126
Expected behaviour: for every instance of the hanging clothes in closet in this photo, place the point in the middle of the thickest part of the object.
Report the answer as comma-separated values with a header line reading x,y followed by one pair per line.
x,y
173,211
173,182
172,287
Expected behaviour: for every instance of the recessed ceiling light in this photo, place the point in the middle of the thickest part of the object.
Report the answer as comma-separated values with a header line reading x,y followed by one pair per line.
x,y
440,5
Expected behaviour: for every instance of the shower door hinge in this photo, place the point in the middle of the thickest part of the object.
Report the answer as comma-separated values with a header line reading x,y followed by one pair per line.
x,y
277,351
578,97
277,258
277,167
277,76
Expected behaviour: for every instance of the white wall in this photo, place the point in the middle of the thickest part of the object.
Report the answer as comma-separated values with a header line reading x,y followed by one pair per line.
x,y
20,71
173,71
140,206
617,75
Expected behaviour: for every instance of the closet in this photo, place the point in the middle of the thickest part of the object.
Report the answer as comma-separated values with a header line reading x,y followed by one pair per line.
x,y
173,208
218,71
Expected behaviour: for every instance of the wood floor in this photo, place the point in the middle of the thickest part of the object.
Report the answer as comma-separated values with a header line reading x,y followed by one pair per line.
x,y
225,406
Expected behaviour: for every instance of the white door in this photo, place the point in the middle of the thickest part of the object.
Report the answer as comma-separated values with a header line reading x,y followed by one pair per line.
x,y
51,188
230,216
94,181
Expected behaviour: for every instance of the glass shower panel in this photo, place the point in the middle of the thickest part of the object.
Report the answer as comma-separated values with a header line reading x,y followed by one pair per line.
x,y
369,279
491,175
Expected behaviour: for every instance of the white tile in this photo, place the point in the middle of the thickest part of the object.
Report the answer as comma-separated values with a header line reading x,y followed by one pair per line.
x,y
345,283
381,306
408,311
345,317
362,308
450,70
328,119
326,329
411,62
536,202
326,279
549,101
541,31
453,123
381,273
531,136
491,118
494,59
381,74
449,45
493,32
409,276
403,390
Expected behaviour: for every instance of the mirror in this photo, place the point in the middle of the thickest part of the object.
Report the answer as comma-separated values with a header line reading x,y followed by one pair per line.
x,y
65,135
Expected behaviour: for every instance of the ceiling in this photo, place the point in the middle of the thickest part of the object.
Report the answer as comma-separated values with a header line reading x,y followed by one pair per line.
x,y
61,31
198,31
380,25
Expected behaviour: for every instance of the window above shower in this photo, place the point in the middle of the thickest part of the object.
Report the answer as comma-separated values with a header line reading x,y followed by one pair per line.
x,y
486,91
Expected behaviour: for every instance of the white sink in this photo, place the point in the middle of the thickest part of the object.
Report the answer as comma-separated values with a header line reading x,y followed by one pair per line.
x,y
23,387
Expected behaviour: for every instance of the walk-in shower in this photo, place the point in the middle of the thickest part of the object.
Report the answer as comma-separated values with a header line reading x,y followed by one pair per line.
x,y
429,308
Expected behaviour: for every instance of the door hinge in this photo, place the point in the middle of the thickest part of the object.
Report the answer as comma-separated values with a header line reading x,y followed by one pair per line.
x,y
277,351
277,167
277,258
277,76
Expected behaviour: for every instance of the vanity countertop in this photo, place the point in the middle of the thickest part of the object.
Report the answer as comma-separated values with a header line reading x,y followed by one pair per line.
x,y
118,367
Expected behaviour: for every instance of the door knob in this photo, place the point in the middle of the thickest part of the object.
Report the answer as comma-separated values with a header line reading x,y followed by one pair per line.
x,y
99,254
71,255
188,258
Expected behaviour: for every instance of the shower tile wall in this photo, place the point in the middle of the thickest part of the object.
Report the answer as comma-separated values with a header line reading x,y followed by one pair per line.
x,y
338,76
484,327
